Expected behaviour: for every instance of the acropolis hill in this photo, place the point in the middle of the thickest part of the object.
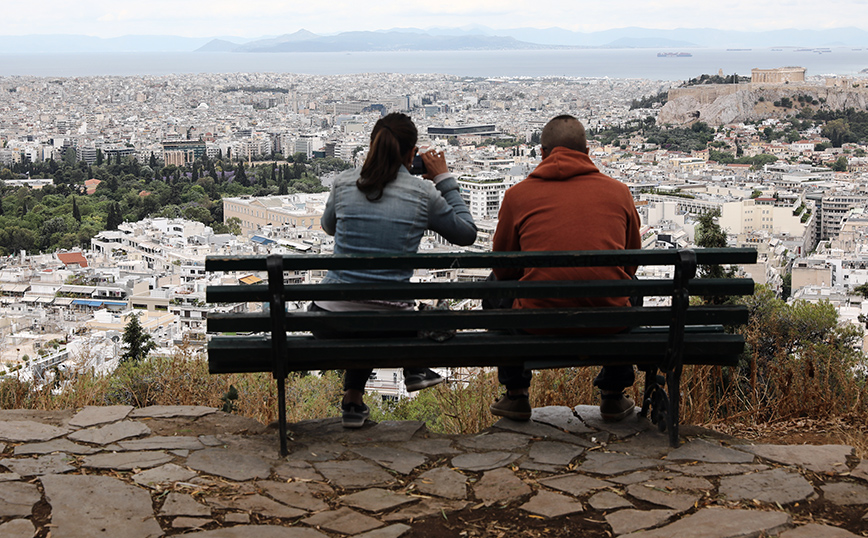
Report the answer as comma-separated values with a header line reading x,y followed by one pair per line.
x,y
718,104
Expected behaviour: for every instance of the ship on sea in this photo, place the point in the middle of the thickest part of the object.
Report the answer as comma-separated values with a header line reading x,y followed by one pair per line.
x,y
674,55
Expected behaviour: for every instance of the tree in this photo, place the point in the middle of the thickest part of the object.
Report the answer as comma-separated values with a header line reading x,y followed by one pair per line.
x,y
840,165
710,235
114,217
138,343
76,214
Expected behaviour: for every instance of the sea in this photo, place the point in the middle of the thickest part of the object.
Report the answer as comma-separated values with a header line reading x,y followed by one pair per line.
x,y
578,63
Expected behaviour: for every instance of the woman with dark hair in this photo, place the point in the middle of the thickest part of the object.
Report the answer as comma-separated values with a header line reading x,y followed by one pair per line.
x,y
382,208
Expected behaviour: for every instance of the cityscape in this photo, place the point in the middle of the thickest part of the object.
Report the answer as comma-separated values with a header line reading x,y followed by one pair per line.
x,y
136,142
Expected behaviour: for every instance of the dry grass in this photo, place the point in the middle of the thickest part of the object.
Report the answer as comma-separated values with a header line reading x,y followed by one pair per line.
x,y
817,387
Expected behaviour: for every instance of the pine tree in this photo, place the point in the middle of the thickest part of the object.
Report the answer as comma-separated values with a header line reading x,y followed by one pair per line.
x,y
138,342
76,214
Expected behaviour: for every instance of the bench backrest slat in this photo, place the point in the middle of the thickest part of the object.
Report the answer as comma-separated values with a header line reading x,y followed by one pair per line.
x,y
478,290
484,260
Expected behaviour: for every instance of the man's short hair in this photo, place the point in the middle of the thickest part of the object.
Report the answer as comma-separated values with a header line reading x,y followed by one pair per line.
x,y
564,131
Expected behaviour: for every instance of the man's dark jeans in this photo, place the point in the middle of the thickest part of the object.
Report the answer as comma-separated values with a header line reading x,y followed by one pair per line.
x,y
611,378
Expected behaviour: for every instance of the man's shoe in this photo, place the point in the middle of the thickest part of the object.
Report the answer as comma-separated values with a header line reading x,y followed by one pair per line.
x,y
421,379
615,406
513,407
353,415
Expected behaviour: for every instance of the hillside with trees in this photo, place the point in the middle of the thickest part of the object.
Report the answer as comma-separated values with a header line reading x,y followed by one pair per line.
x,y
64,215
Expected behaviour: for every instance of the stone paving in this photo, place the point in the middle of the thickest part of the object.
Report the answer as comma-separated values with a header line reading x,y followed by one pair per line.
x,y
164,471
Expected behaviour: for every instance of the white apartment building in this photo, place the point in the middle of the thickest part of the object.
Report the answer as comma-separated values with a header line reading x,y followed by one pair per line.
x,y
483,194
745,217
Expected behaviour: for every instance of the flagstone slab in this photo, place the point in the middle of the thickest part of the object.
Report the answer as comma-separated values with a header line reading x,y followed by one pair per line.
x,y
820,459
186,522
677,500
394,431
126,461
442,482
180,504
845,493
98,506
611,463
17,528
210,440
96,415
354,474
483,461
296,470
608,500
575,484
717,469
500,485
55,445
259,531
704,451
721,523
432,447
296,494
236,517
257,504
629,520
774,486
111,433
28,431
543,431
560,417
343,520
231,464
42,465
319,452
399,460
861,471
164,474
590,415
392,531
175,442
645,444
531,465
17,499
554,452
376,499
548,504
495,441
171,411
814,530
425,507
9,477
641,476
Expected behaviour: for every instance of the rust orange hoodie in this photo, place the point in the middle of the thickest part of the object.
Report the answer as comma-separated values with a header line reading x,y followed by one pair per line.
x,y
567,204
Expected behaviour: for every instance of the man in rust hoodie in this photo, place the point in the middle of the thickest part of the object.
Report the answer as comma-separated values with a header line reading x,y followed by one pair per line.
x,y
567,204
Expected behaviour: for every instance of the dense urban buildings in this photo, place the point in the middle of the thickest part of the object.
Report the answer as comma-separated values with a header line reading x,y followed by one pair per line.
x,y
803,207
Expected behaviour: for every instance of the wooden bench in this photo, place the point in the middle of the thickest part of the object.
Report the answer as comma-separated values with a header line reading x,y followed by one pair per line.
x,y
665,337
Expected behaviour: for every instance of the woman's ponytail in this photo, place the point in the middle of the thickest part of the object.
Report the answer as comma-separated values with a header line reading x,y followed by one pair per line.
x,y
392,138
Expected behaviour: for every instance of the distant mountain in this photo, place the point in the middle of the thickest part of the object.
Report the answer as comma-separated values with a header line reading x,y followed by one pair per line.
x,y
464,38
648,43
383,41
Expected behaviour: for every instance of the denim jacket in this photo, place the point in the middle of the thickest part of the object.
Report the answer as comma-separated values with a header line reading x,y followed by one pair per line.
x,y
395,223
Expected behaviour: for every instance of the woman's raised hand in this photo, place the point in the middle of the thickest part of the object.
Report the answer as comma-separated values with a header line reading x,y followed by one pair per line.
x,y
435,163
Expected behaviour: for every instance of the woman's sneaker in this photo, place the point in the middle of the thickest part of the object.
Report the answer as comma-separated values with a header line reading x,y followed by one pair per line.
x,y
615,406
418,379
513,407
353,415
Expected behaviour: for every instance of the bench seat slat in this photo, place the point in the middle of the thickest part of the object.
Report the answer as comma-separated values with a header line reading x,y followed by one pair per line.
x,y
469,349
480,290
477,319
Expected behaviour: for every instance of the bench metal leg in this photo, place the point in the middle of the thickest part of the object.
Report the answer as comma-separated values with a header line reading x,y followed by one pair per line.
x,y
281,414
673,417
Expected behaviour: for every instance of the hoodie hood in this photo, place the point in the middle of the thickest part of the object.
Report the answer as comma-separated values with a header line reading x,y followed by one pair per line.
x,y
563,163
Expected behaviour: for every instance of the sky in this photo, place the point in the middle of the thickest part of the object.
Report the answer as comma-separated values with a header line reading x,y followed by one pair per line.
x,y
256,18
